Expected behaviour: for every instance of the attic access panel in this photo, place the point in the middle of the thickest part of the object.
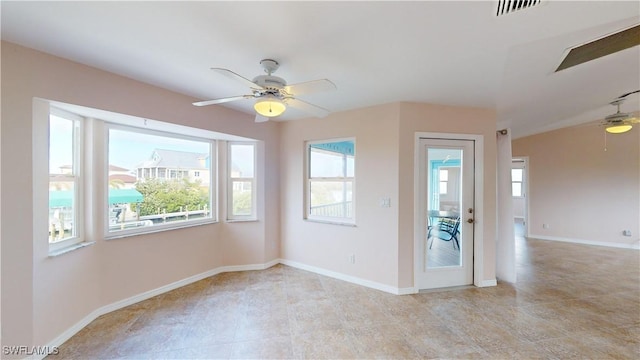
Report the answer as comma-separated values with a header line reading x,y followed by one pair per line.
x,y
602,47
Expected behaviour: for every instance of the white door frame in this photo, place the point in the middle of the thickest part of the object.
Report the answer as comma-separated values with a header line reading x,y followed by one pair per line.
x,y
525,190
419,206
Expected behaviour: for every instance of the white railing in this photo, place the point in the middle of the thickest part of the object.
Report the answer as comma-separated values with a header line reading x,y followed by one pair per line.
x,y
341,209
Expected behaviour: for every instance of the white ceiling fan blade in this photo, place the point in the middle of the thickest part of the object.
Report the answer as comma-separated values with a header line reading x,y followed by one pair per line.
x,y
260,118
231,75
222,100
310,87
314,110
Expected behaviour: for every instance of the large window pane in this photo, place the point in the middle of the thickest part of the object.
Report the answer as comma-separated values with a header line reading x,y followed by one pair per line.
x,y
331,178
331,198
62,180
241,192
326,164
242,198
152,179
242,160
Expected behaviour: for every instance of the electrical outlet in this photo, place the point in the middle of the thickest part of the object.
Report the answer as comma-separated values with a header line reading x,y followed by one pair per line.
x,y
352,258
545,226
385,202
626,232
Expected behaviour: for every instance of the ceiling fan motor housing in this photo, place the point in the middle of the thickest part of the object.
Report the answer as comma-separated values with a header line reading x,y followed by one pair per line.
x,y
271,85
617,118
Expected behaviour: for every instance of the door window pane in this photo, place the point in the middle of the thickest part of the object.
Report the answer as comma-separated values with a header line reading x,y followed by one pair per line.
x,y
444,180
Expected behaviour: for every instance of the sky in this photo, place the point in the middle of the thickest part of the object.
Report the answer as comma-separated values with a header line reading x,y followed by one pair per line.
x,y
127,149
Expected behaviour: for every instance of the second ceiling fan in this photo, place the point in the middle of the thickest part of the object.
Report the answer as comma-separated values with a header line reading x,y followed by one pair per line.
x,y
272,94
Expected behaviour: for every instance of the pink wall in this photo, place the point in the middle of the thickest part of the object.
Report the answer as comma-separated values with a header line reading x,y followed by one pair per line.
x,y
373,240
43,296
383,238
584,193
416,117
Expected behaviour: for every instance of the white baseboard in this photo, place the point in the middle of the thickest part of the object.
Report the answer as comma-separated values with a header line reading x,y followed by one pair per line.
x,y
67,334
348,278
630,245
488,283
407,291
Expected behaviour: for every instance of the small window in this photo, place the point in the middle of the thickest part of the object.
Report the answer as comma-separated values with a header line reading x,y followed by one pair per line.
x,y
154,200
516,182
241,192
331,180
64,180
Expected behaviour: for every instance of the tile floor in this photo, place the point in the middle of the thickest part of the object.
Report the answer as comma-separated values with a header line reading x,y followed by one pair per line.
x,y
571,302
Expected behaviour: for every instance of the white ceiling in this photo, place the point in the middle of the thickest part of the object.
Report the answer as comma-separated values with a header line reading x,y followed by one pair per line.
x,y
454,53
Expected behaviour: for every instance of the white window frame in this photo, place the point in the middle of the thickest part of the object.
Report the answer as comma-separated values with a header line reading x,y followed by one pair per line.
x,y
76,175
231,180
521,182
308,180
444,182
170,225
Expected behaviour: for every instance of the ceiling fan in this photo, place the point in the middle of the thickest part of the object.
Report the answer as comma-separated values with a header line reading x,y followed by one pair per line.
x,y
620,122
272,94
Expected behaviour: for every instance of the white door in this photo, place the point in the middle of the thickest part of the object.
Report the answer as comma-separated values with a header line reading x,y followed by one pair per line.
x,y
444,241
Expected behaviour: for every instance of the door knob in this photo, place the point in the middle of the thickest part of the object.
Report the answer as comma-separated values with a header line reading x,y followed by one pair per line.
x,y
470,221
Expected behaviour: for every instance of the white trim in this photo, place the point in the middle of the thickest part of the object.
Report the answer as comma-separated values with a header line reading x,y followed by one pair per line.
x,y
192,137
308,179
230,181
71,248
348,278
144,123
407,291
478,230
487,283
67,334
634,245
74,329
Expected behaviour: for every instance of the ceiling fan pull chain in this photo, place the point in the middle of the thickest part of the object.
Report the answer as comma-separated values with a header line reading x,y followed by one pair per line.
x,y
605,141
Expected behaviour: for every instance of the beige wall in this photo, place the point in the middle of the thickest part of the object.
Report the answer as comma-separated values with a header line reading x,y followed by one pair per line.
x,y
373,240
43,296
584,193
383,238
415,117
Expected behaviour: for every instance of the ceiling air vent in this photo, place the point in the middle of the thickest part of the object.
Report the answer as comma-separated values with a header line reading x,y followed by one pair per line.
x,y
508,6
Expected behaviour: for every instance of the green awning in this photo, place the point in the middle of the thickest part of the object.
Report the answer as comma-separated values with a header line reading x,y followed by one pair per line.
x,y
121,196
60,198
116,196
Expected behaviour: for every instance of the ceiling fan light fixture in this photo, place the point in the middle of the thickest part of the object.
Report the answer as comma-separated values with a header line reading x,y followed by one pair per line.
x,y
269,106
618,129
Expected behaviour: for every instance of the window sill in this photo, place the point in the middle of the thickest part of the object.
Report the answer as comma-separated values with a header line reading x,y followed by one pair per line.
x,y
70,248
240,220
331,222
158,229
